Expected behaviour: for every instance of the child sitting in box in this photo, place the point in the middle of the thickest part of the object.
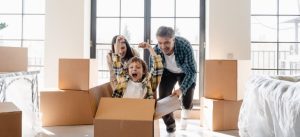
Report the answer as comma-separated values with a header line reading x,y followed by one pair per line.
x,y
138,82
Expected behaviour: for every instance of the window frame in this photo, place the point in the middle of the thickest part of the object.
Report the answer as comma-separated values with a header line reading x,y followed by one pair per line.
x,y
147,36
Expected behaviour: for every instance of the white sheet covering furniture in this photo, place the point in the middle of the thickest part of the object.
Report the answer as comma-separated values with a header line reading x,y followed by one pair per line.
x,y
21,88
271,107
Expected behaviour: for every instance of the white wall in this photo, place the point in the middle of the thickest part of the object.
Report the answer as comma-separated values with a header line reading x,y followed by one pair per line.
x,y
228,29
67,28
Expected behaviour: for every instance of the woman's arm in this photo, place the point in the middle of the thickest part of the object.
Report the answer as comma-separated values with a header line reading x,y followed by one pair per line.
x,y
113,80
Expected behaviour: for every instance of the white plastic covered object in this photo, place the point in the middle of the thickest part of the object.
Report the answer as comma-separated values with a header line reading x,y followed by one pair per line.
x,y
271,107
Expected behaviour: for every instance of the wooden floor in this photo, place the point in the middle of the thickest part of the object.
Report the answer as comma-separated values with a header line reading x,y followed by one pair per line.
x,y
193,130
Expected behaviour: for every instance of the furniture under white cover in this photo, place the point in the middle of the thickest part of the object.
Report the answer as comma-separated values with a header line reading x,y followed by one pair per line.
x,y
21,88
271,107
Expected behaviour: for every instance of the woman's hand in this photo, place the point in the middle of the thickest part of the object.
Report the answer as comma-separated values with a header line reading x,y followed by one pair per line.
x,y
120,39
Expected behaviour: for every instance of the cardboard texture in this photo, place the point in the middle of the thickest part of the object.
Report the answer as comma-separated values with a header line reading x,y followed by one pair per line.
x,y
219,114
124,117
100,91
77,74
166,105
10,120
13,59
226,79
66,107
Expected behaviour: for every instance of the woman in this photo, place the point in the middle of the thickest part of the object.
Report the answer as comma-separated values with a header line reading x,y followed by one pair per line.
x,y
121,47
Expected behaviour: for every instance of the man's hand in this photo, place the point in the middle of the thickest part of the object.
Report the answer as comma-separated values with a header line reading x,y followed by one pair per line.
x,y
146,45
177,93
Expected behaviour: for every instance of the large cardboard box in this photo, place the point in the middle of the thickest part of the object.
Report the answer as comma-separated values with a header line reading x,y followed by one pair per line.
x,y
219,114
226,79
131,117
120,117
67,107
10,120
13,59
77,74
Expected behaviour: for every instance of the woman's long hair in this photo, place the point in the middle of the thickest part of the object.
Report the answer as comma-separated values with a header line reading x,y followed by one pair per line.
x,y
129,51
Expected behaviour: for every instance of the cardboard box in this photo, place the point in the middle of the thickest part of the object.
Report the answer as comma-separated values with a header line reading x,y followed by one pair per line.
x,y
219,114
100,91
77,74
226,79
118,117
67,107
13,59
10,120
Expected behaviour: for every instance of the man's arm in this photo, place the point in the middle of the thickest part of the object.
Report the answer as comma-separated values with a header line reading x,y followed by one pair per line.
x,y
189,68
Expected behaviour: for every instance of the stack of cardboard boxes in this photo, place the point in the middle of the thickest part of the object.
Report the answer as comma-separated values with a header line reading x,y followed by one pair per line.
x,y
73,103
224,87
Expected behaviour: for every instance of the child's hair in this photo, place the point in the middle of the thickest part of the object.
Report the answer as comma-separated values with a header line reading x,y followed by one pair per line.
x,y
138,60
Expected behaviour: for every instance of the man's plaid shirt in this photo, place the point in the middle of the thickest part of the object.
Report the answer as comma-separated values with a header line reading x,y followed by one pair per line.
x,y
185,60
150,81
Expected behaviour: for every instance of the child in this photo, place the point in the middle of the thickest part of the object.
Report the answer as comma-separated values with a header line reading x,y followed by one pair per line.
x,y
120,46
138,82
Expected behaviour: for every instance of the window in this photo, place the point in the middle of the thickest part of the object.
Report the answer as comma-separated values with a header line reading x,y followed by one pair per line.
x,y
275,37
25,28
138,20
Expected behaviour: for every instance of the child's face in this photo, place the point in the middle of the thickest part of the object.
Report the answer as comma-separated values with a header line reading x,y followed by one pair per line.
x,y
135,70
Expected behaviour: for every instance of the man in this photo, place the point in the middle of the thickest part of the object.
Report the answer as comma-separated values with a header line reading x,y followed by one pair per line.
x,y
179,66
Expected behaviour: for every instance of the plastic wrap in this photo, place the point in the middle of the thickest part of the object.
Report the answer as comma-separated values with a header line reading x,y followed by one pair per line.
x,y
21,89
271,108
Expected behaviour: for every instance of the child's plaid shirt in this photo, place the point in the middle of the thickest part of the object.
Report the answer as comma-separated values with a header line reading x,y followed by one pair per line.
x,y
150,80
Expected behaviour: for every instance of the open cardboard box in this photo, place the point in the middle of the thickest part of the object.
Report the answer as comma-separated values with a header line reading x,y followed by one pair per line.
x,y
131,117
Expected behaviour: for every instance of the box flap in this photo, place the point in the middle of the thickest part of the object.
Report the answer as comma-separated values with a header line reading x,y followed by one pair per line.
x,y
8,107
126,109
166,105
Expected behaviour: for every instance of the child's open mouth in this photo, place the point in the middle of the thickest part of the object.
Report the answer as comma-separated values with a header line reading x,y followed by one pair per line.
x,y
134,75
